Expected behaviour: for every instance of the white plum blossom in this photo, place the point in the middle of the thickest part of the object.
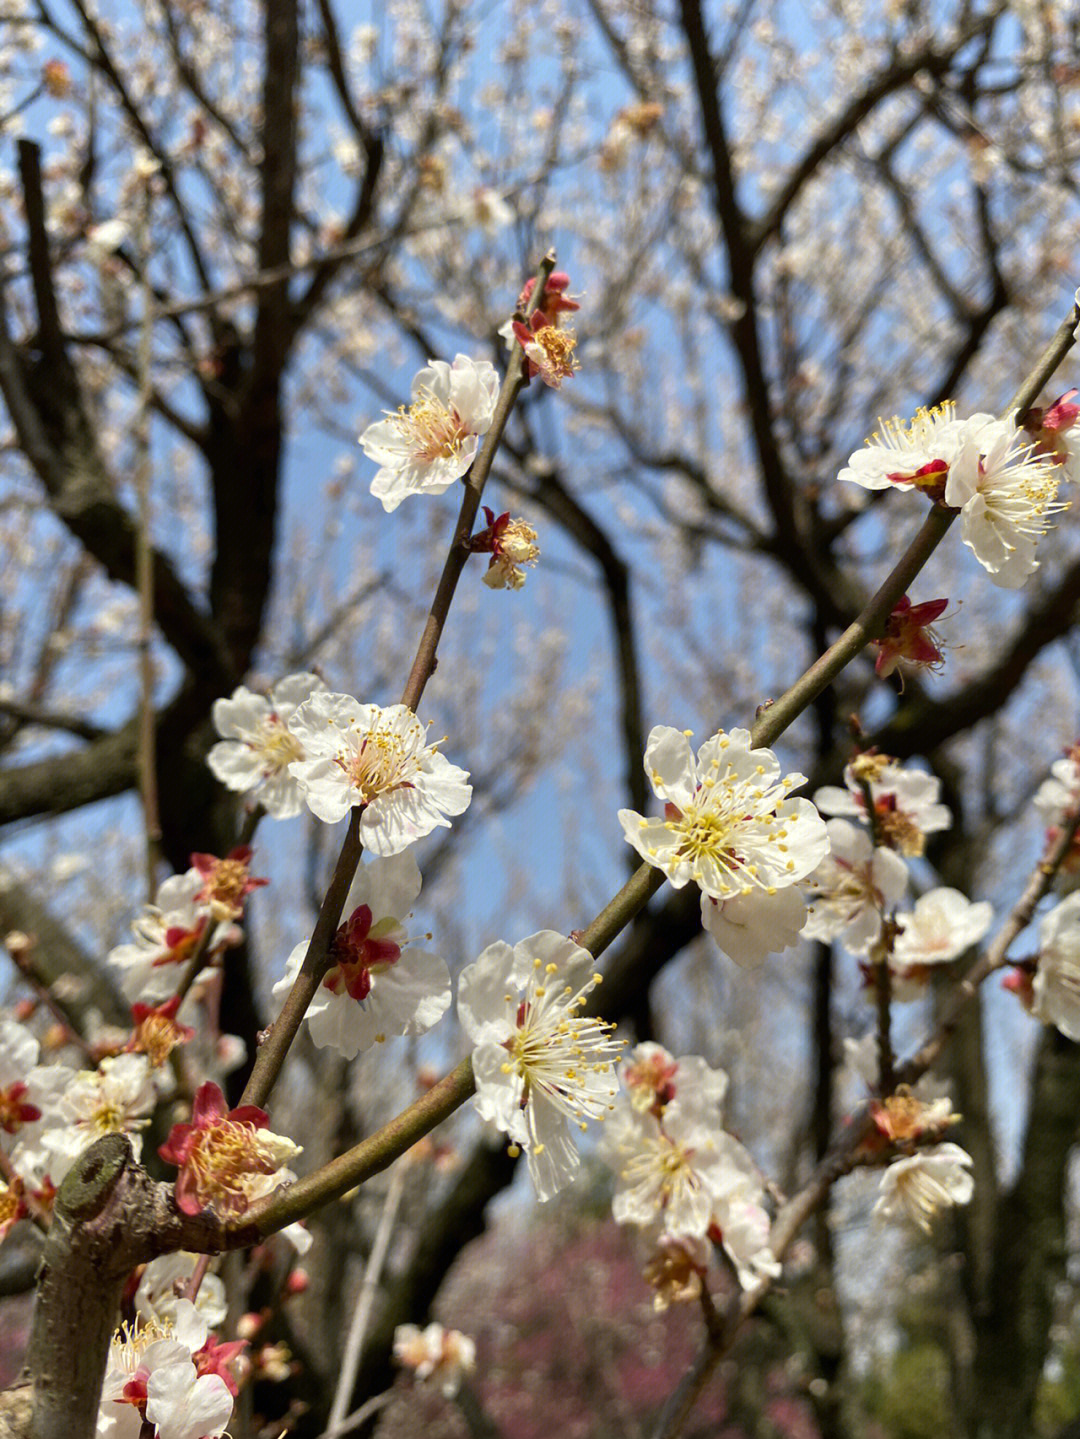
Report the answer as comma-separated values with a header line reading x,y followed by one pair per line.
x,y
359,754
162,1287
27,1090
852,887
942,925
539,1063
425,448
653,1077
906,805
905,456
442,1355
678,1172
153,1364
376,985
729,826
1056,987
1058,793
1005,490
752,926
670,1170
917,1186
166,935
257,746
116,1098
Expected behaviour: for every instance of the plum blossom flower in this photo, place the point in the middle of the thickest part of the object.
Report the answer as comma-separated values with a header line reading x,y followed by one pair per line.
x,y
677,1268
1006,490
906,807
908,638
728,823
917,1186
161,1290
1055,992
157,1031
226,882
152,1376
1049,428
376,985
942,925
257,746
12,1204
511,544
425,448
538,1061
852,887
916,455
549,349
116,1098
359,754
167,934
443,1355
652,1077
227,1159
1053,800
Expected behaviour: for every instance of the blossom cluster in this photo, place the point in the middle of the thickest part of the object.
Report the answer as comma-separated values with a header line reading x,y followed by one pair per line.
x,y
1003,481
679,1175
306,745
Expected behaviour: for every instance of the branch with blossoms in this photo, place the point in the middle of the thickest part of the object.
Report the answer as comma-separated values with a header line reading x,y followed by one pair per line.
x,y
543,1064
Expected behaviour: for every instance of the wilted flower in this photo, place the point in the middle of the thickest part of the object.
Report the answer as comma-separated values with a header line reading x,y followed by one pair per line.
x,y
359,754
918,1186
905,802
157,1031
908,638
549,350
511,544
226,882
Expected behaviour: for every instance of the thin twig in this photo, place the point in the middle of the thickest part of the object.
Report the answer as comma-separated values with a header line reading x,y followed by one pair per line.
x,y
354,1342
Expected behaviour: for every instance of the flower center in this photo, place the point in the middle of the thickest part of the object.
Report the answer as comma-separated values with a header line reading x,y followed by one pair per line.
x,y
359,949
382,761
278,747
558,350
434,431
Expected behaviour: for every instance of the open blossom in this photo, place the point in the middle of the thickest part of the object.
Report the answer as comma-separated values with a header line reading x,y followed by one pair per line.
x,y
942,925
852,887
908,638
652,1077
376,985
1006,490
167,934
906,807
359,754
728,823
257,746
918,1186
538,1062
1055,992
161,1290
423,449
442,1355
116,1098
152,1375
227,1159
909,456
749,927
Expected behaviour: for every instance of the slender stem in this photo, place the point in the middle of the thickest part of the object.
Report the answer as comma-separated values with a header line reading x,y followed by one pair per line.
x,y
354,1343
144,562
283,1031
423,666
370,1156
